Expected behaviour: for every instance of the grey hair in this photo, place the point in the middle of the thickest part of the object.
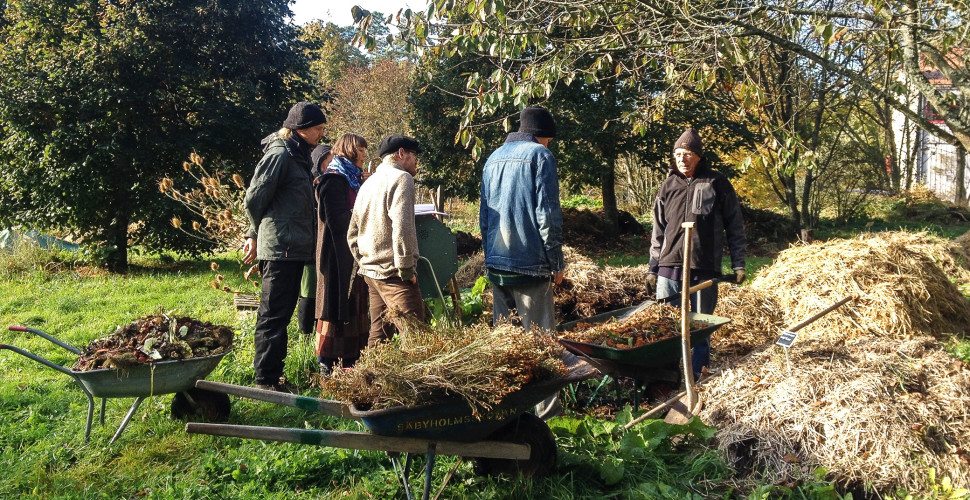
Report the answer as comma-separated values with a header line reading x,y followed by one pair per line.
x,y
284,133
390,158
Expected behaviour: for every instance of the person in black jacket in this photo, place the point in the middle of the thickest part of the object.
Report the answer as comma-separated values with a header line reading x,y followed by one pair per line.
x,y
341,298
694,192
279,204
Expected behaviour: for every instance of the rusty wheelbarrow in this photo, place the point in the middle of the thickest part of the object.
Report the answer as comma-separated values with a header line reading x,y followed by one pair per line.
x,y
140,382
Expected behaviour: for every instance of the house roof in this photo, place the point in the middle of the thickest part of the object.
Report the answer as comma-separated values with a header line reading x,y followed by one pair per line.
x,y
955,58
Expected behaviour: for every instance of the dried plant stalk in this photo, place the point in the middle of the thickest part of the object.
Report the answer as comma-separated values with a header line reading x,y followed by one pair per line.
x,y
425,365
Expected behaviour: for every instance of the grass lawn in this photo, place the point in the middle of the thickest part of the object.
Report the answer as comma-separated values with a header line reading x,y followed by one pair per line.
x,y
42,412
42,452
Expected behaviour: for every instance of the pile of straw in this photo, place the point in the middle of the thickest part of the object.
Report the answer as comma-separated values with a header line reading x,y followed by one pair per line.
x,y
876,413
470,270
589,288
756,320
868,392
896,276
424,365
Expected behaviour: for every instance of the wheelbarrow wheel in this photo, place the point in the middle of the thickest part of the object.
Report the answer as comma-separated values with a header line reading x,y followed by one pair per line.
x,y
526,429
200,404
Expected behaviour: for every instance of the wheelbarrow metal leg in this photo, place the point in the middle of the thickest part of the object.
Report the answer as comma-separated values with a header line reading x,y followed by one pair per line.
x,y
406,475
87,426
104,401
124,423
428,468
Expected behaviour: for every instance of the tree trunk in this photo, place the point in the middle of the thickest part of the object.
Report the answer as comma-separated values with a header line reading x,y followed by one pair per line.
x,y
610,210
791,200
116,259
914,158
960,196
807,217
895,173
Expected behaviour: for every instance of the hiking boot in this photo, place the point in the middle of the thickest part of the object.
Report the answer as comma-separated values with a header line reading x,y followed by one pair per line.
x,y
280,386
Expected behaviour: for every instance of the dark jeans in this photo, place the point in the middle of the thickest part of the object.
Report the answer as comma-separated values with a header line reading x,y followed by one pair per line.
x,y
384,295
278,296
701,356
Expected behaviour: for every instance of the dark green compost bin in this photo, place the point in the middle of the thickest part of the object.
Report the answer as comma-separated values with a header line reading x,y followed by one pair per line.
x,y
438,245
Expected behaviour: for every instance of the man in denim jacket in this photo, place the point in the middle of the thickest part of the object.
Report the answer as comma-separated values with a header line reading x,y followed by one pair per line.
x,y
521,224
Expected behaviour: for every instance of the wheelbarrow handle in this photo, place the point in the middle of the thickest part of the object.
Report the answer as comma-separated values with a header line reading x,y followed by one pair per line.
x,y
39,333
39,359
675,298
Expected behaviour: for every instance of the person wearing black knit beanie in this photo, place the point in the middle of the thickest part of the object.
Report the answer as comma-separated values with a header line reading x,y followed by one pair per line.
x,y
695,192
282,236
520,190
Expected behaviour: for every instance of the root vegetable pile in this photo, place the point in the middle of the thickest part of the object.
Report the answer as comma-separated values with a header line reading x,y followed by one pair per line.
x,y
654,323
155,338
426,365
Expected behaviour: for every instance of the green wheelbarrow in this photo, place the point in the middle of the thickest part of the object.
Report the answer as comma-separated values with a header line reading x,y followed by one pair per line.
x,y
140,382
657,361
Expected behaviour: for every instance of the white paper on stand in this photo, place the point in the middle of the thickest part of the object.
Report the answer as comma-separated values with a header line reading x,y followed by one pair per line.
x,y
426,209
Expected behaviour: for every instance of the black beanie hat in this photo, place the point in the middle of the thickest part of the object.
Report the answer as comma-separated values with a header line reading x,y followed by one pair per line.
x,y
318,154
537,121
392,143
304,115
691,141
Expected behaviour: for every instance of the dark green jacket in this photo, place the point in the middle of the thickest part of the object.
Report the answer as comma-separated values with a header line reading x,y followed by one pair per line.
x,y
279,203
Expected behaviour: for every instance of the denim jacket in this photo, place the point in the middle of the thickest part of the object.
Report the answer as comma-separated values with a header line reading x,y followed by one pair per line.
x,y
519,214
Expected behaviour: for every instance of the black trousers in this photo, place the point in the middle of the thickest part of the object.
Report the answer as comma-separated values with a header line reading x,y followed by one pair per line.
x,y
279,293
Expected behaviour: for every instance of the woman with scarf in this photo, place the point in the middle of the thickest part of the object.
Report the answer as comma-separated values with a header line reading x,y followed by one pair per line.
x,y
341,298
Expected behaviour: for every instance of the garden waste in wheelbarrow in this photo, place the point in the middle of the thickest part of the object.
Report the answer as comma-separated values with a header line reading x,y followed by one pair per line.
x,y
505,438
139,381
647,363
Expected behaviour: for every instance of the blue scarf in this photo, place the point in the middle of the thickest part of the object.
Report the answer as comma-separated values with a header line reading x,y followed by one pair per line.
x,y
344,167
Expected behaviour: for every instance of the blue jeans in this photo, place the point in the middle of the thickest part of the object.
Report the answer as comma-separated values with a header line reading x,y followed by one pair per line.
x,y
701,355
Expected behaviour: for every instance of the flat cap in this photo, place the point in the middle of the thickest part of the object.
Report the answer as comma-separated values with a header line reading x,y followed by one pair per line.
x,y
392,143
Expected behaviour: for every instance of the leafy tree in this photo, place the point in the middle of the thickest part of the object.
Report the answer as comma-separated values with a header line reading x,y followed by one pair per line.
x,y
101,99
372,101
547,43
330,52
437,104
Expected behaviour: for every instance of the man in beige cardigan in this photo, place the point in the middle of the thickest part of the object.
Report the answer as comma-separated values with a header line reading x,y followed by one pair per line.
x,y
382,236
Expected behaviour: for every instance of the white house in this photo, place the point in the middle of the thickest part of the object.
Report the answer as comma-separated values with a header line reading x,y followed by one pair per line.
x,y
922,155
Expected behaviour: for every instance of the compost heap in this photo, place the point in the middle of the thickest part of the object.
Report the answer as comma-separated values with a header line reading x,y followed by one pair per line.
x,y
587,289
868,392
756,321
425,365
155,338
653,323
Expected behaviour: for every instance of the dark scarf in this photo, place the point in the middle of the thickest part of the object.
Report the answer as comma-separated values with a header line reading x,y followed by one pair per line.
x,y
343,166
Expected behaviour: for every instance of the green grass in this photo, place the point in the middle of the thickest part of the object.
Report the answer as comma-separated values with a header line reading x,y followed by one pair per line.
x,y
42,452
828,230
